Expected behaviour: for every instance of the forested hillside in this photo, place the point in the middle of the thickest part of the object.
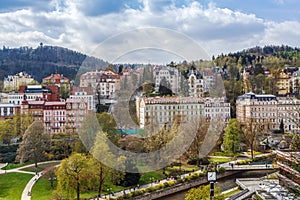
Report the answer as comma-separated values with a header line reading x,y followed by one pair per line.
x,y
45,60
271,57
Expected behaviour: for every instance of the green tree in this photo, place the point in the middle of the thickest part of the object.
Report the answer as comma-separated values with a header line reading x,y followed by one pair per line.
x,y
7,130
72,175
281,126
232,138
295,143
34,144
102,162
148,88
203,193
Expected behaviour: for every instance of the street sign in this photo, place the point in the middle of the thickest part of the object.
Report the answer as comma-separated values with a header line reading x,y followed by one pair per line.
x,y
211,176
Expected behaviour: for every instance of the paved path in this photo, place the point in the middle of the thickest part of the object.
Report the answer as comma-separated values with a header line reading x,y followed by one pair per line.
x,y
19,169
26,194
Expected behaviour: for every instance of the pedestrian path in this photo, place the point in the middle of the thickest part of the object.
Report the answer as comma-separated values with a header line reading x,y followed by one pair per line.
x,y
26,194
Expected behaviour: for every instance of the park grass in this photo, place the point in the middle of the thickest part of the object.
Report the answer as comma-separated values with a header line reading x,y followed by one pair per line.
x,y
40,167
12,185
42,189
233,192
146,177
16,165
217,160
220,153
255,153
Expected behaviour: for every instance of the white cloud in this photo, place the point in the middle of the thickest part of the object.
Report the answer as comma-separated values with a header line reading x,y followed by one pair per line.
x,y
72,24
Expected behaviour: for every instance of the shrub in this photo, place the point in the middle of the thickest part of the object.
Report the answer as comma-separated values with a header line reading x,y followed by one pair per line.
x,y
150,189
221,170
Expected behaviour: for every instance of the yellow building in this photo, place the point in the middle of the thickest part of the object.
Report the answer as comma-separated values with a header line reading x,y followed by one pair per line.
x,y
283,83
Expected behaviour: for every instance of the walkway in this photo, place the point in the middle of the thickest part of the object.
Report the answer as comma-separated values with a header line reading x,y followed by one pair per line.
x,y
233,167
26,194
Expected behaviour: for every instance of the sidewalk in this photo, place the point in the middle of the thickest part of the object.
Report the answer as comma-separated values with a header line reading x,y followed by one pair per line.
x,y
26,194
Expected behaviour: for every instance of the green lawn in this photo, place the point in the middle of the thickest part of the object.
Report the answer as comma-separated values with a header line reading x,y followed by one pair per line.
x,y
228,194
13,165
145,178
254,153
12,185
40,167
219,160
42,190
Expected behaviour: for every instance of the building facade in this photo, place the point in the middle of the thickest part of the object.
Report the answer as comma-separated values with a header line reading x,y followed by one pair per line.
x,y
104,83
8,110
57,117
12,82
196,84
163,110
85,93
171,75
268,111
33,93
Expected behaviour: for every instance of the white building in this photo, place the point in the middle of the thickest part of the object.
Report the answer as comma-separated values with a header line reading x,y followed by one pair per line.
x,y
196,84
217,108
76,110
17,98
8,110
162,110
295,82
84,93
12,82
106,83
209,79
171,75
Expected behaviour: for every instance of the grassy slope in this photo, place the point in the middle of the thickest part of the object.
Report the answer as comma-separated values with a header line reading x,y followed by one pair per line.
x,y
12,185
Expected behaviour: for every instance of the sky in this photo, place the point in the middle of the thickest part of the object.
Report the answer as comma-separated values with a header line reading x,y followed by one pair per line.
x,y
114,30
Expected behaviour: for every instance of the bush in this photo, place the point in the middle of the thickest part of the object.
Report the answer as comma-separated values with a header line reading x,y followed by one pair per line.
x,y
221,170
150,189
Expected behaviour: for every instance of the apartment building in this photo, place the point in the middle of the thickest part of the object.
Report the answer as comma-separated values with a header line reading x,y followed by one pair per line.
x,y
8,110
171,75
295,82
162,110
57,117
54,117
268,111
12,82
76,109
104,83
283,83
86,94
34,92
196,83
56,79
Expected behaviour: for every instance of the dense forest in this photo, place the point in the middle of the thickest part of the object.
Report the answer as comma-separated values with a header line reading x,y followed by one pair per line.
x,y
45,60
271,57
